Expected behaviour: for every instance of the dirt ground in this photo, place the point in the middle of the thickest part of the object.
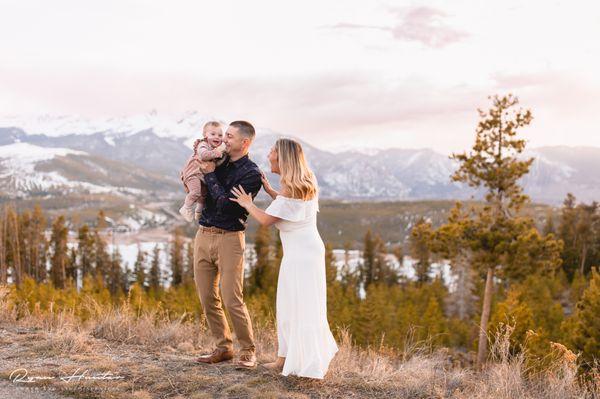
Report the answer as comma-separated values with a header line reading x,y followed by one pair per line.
x,y
85,367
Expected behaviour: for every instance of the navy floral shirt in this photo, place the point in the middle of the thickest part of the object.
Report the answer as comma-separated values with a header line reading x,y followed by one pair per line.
x,y
219,210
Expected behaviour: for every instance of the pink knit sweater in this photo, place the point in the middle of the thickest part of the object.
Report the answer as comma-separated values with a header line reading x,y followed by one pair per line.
x,y
202,152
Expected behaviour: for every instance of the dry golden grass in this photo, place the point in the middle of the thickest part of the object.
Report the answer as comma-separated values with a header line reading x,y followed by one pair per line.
x,y
155,357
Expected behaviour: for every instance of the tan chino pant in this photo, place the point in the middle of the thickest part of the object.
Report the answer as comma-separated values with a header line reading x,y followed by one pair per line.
x,y
219,257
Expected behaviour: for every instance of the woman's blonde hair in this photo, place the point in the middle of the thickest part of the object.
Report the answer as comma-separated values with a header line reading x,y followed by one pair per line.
x,y
295,173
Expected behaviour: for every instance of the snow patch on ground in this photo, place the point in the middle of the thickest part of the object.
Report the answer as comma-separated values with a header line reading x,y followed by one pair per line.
x,y
26,153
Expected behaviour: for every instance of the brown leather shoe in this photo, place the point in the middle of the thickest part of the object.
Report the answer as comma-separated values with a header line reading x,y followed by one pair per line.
x,y
246,361
218,355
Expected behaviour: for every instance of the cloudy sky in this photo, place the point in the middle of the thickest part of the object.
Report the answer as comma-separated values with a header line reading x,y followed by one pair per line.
x,y
335,73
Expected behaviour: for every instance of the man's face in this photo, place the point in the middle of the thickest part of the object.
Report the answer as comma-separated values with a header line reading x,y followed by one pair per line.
x,y
234,141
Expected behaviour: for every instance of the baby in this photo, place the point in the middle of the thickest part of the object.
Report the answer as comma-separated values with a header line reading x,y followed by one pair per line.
x,y
210,148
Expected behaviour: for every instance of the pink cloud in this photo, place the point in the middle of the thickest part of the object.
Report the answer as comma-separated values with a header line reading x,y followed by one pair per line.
x,y
425,25
329,107
421,24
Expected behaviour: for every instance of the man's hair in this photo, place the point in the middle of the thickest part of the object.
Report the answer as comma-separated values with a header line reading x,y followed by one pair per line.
x,y
245,128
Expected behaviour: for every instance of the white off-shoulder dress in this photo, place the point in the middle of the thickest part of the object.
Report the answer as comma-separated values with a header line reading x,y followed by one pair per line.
x,y
303,333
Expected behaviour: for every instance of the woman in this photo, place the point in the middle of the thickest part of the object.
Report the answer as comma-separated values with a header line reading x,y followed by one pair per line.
x,y
305,343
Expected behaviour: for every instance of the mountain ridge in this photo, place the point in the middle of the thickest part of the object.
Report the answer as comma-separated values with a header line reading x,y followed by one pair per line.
x,y
350,174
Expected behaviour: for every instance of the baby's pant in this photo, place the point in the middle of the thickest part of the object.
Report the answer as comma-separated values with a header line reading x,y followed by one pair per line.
x,y
197,192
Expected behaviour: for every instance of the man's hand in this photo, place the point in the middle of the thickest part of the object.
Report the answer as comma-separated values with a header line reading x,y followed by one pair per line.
x,y
207,167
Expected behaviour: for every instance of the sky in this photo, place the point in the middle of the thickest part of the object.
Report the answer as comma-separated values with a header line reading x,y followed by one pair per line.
x,y
338,74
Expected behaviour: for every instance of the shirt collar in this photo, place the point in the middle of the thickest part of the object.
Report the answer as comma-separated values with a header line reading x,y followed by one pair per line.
x,y
240,162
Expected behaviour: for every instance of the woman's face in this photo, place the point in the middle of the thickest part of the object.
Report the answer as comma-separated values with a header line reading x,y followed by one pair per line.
x,y
274,160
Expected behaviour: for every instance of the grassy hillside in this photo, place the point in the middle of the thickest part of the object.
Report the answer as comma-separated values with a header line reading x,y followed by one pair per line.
x,y
152,356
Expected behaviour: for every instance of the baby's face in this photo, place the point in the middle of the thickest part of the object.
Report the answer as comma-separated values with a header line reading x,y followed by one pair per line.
x,y
214,135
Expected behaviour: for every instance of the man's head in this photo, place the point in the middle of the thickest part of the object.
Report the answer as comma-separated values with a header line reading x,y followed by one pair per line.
x,y
238,138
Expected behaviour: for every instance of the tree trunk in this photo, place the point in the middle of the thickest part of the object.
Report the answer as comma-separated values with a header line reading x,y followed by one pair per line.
x,y
17,257
485,317
583,258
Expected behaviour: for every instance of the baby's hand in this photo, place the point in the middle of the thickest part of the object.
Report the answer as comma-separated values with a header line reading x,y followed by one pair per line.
x,y
221,148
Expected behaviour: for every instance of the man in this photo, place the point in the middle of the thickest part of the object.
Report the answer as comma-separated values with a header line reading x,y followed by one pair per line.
x,y
219,247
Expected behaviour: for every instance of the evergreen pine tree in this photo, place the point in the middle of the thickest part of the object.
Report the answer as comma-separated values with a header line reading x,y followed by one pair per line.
x,y
188,271
549,227
348,278
102,260
495,164
588,231
384,271
71,269
59,256
586,322
3,240
139,268
176,259
85,249
154,277
12,244
434,323
330,266
25,238
39,244
259,271
420,245
452,241
115,275
367,264
567,232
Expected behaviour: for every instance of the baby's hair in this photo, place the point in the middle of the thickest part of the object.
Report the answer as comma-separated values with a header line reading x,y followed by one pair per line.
x,y
211,123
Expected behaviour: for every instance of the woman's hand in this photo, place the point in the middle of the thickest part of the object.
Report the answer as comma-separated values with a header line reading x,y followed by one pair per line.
x,y
267,185
241,197
245,200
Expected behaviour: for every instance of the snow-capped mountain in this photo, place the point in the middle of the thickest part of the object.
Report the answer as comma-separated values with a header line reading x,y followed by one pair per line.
x,y
187,125
18,168
28,170
146,153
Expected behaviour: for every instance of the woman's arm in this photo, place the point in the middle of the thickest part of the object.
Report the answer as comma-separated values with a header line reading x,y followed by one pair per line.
x,y
261,216
267,186
245,200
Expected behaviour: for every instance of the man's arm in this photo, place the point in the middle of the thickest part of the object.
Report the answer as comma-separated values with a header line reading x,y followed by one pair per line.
x,y
251,182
